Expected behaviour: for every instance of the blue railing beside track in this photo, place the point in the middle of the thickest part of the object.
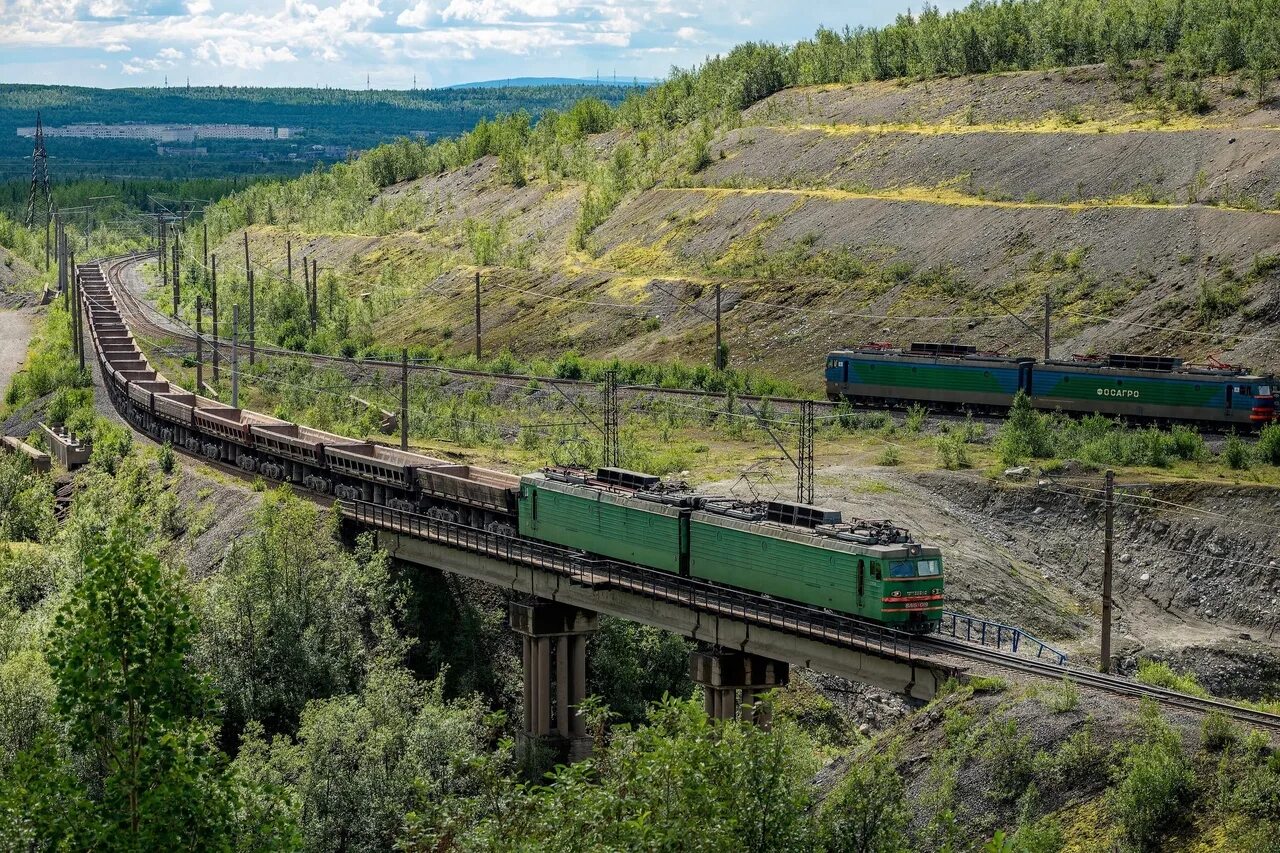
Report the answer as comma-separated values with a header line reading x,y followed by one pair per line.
x,y
984,632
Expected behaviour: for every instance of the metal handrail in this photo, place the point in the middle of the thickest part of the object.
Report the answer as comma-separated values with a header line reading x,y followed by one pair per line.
x,y
982,631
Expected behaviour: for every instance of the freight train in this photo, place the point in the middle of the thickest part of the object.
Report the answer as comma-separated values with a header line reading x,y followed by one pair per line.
x,y
1137,387
788,551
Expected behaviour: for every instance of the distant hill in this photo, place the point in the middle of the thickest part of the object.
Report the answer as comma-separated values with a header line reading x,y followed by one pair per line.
x,y
336,120
555,81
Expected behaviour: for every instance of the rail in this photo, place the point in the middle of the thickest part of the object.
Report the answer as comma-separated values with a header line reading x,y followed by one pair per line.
x,y
814,623
984,632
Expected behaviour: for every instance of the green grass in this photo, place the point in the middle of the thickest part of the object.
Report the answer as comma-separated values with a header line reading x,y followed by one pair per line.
x,y
1160,674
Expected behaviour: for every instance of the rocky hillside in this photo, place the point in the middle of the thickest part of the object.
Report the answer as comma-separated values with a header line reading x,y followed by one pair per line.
x,y
878,211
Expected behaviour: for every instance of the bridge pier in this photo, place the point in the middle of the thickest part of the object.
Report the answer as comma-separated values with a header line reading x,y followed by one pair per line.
x,y
734,681
555,672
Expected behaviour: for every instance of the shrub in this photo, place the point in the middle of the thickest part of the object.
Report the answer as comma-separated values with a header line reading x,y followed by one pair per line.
x,y
1009,760
1153,787
111,443
569,366
1236,453
166,458
917,415
1078,763
1026,433
1268,446
953,454
890,456
1187,443
1062,698
868,810
1217,732
1160,674
988,684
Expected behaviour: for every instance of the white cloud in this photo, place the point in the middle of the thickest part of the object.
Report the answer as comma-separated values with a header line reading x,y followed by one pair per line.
x,y
107,8
263,41
416,15
235,53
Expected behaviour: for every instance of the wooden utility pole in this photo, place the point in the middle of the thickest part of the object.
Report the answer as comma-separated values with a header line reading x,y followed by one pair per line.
x,y
477,315
162,248
47,223
306,289
235,357
404,399
1046,323
288,255
57,257
315,295
205,246
176,278
79,300
73,307
253,324
719,362
213,273
1110,492
199,346
248,276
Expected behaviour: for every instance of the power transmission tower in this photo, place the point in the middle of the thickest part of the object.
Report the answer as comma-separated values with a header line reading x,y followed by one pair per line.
x,y
39,179
612,456
804,455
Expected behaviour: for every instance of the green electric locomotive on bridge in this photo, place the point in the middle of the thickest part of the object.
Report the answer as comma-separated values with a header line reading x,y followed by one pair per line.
x,y
1141,387
789,551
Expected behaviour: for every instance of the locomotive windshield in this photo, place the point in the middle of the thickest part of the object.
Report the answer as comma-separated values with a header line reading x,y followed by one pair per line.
x,y
918,569
902,569
1264,390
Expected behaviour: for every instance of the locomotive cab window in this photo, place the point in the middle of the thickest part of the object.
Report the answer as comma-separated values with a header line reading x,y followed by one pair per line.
x,y
875,571
928,568
901,569
1264,390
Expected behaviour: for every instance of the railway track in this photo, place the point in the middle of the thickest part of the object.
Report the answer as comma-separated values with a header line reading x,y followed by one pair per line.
x,y
143,314
1113,684
855,634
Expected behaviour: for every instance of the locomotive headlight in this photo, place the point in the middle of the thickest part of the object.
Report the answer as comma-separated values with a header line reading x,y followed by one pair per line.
x,y
897,592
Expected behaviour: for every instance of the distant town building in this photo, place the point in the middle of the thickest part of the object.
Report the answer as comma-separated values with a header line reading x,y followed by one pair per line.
x,y
165,132
168,151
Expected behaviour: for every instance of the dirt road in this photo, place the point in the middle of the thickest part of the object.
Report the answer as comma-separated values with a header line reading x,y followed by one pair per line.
x,y
15,331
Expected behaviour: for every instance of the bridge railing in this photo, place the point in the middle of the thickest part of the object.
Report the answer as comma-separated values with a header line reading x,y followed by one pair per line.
x,y
815,623
985,632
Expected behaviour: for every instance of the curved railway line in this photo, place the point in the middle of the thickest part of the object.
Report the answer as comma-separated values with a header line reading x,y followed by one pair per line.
x,y
856,635
141,313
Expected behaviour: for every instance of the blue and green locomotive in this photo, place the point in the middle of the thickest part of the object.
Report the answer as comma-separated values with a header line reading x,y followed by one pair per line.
x,y
1140,387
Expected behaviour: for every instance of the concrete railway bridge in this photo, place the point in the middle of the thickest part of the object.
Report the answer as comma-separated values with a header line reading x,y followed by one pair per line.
x,y
746,643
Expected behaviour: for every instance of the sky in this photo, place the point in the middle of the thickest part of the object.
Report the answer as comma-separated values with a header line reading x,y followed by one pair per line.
x,y
343,44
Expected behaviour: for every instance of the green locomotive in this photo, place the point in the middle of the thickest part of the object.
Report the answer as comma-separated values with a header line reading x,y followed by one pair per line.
x,y
784,550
